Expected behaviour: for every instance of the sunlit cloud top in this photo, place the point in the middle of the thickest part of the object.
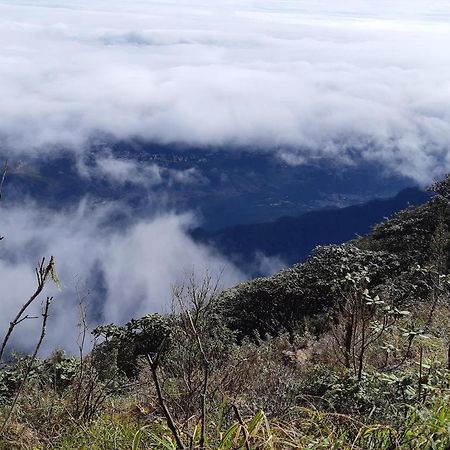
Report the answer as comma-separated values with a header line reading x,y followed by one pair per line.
x,y
341,80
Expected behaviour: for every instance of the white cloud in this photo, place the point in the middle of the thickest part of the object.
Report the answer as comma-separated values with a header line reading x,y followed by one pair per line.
x,y
343,80
134,266
122,170
127,170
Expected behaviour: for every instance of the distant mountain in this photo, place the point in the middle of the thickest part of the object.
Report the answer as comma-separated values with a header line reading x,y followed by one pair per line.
x,y
223,187
293,238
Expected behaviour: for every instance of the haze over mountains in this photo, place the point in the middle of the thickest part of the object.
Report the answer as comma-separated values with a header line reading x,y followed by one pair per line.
x,y
249,205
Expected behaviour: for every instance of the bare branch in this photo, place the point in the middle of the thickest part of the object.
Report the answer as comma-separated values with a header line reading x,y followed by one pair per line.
x,y
42,273
30,364
153,364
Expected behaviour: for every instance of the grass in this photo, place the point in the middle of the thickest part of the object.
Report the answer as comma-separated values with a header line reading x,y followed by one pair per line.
x,y
255,400
425,427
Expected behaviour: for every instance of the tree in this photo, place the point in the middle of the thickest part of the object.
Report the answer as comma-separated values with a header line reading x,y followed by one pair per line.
x,y
363,319
128,343
279,304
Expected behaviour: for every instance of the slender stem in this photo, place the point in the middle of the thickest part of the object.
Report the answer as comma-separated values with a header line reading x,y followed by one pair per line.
x,y
5,169
170,422
419,387
205,382
241,423
42,273
30,364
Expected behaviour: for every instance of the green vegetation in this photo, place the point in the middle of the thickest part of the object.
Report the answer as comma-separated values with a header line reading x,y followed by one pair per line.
x,y
350,350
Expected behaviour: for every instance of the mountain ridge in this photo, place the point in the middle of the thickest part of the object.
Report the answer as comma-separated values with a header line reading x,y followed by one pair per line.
x,y
293,238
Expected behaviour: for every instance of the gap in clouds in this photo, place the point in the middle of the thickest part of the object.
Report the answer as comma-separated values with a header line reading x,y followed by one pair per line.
x,y
223,187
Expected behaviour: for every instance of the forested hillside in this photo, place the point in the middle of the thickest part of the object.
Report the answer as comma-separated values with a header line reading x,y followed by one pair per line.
x,y
349,350
291,239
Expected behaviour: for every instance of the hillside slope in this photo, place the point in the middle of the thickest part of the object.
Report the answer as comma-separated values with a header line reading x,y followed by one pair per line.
x,y
292,238
389,255
348,350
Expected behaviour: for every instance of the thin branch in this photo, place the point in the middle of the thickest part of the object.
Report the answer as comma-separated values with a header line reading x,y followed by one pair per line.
x,y
153,364
241,423
5,169
30,364
42,273
205,382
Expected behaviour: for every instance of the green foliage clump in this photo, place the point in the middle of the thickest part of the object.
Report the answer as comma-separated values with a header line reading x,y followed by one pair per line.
x,y
123,345
278,304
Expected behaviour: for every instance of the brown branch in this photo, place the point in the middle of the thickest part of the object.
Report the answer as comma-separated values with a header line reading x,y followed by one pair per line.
x,y
42,273
405,356
153,364
30,364
241,423
205,382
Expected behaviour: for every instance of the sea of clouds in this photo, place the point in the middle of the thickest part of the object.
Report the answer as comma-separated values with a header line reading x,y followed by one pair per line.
x,y
350,81
345,80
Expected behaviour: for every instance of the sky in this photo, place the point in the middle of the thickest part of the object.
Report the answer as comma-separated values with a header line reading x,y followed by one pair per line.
x,y
348,81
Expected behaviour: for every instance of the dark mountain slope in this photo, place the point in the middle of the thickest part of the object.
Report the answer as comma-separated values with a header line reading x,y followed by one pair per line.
x,y
293,238
276,304
401,261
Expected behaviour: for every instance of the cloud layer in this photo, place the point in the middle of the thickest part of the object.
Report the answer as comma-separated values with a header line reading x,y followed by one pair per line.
x,y
342,80
128,271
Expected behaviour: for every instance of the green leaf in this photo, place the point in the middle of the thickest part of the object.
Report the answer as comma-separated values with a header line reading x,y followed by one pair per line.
x,y
229,437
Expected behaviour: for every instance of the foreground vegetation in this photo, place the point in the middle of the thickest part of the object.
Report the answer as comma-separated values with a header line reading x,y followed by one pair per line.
x,y
350,350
